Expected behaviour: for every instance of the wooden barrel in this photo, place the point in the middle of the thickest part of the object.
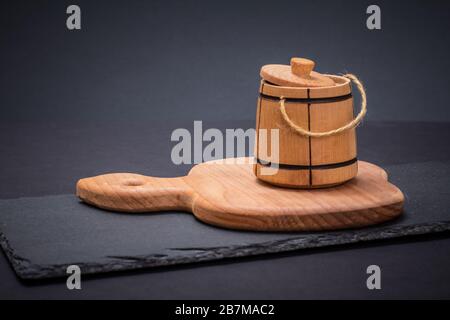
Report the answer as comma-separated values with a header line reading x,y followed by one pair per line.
x,y
305,161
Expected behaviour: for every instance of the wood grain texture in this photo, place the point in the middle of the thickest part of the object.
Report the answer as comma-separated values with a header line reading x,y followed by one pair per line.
x,y
314,115
341,87
225,193
282,75
298,74
302,67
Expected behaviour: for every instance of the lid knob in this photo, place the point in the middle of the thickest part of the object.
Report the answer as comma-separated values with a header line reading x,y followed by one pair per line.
x,y
302,67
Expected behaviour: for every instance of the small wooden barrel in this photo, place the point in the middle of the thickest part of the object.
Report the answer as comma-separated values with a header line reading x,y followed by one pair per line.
x,y
306,161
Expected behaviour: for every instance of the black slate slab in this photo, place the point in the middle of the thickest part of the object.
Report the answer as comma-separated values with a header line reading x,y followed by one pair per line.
x,y
41,236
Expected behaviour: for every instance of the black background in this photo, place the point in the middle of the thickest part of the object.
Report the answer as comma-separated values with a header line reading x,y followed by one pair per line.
x,y
105,98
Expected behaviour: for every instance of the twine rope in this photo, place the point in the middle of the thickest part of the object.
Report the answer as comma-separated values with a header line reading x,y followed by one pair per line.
x,y
350,125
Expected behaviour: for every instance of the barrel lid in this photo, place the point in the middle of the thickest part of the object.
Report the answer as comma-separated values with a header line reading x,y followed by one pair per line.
x,y
298,74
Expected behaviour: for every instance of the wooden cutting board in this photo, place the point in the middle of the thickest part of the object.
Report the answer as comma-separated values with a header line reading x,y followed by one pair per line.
x,y
226,193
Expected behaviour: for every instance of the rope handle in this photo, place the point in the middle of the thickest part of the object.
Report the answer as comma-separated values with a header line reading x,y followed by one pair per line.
x,y
348,126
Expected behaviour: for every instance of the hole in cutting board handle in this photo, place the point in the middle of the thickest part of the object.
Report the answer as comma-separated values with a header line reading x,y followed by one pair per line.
x,y
133,183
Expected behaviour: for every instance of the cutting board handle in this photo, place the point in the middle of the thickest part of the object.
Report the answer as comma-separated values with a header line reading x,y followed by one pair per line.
x,y
135,193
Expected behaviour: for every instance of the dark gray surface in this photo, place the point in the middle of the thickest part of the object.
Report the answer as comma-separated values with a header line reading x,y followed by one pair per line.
x,y
43,235
416,268
189,60
33,165
48,157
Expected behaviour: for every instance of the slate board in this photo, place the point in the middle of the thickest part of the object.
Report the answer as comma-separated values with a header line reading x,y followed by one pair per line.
x,y
41,236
